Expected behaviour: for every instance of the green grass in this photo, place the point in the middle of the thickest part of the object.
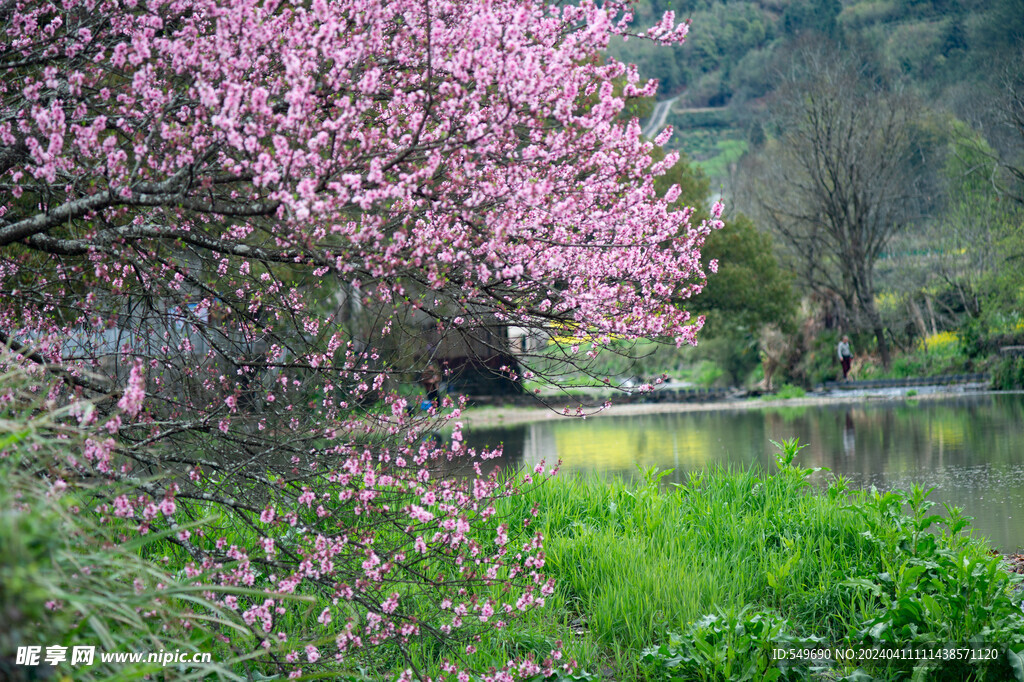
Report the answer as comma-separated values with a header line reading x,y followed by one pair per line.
x,y
786,392
725,539
697,581
644,573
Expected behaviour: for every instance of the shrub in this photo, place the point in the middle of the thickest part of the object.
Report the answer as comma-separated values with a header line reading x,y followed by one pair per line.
x,y
1008,374
787,391
706,374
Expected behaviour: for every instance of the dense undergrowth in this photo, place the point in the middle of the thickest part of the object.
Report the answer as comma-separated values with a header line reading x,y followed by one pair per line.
x,y
702,581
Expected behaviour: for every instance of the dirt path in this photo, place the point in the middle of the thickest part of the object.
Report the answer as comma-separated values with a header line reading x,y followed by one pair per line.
x,y
483,417
658,117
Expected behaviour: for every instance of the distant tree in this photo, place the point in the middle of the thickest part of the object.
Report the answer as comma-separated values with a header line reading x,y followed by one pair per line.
x,y
814,16
834,184
1015,117
1006,287
998,33
966,235
750,288
749,291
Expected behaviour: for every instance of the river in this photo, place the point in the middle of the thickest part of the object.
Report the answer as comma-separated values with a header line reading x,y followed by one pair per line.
x,y
970,449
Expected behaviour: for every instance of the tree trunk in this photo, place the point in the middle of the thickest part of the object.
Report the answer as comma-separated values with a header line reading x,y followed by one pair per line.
x,y
931,314
915,313
867,302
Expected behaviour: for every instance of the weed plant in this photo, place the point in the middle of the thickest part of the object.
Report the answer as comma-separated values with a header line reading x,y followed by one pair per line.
x,y
785,392
67,580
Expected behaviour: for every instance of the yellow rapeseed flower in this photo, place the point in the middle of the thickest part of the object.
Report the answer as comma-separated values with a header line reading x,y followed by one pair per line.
x,y
941,341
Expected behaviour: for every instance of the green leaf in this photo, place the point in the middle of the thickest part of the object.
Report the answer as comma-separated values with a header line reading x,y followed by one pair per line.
x,y
935,610
13,438
865,584
1016,661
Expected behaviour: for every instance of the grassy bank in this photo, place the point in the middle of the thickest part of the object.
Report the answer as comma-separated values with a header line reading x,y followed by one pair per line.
x,y
692,582
702,581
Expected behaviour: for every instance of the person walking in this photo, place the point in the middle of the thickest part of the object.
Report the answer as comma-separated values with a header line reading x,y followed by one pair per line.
x,y
845,356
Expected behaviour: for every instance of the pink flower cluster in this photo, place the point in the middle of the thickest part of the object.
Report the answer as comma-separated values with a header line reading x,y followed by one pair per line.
x,y
135,392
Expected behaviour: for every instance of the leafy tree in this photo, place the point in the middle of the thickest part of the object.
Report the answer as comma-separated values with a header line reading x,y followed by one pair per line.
x,y
1006,286
1015,116
231,232
817,16
967,233
749,289
997,35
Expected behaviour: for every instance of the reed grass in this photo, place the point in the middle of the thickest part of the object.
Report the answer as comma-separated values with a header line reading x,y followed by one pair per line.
x,y
637,561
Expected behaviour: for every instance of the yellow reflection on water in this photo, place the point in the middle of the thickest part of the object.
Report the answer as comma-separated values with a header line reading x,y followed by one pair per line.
x,y
608,445
946,433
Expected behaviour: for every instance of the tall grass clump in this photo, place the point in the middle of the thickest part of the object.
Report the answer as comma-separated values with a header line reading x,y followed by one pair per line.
x,y
640,560
69,580
702,580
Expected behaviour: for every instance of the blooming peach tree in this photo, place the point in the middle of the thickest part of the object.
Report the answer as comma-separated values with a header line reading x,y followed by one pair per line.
x,y
224,226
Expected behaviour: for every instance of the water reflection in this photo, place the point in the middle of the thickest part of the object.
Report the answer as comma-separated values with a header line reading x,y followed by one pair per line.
x,y
849,435
970,449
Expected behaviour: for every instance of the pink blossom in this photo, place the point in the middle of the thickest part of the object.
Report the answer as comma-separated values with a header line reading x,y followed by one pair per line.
x,y
135,392
167,506
390,604
122,507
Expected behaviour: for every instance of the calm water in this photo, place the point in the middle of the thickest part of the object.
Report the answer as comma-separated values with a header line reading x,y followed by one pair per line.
x,y
970,449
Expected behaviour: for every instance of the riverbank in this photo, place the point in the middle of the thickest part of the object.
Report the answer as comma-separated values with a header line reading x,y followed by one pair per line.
x,y
492,416
707,580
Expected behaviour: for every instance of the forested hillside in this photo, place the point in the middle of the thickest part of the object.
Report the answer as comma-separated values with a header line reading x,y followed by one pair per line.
x,y
736,47
874,144
953,53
